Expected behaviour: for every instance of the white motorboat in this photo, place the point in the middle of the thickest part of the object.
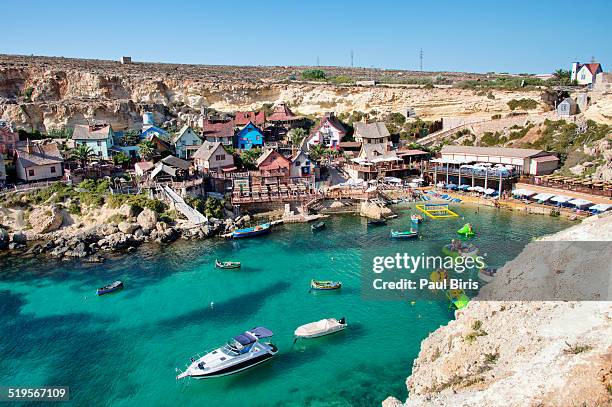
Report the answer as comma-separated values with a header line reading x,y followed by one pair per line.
x,y
320,328
241,352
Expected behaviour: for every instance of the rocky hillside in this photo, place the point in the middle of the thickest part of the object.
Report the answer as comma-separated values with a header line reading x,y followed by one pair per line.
x,y
52,93
525,353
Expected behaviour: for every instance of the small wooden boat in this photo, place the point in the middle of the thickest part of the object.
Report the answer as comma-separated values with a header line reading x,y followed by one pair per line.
x,y
317,226
377,222
392,216
416,218
325,285
411,234
117,285
227,264
321,328
253,231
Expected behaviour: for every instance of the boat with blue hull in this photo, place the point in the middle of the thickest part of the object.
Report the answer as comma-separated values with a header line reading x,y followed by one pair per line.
x,y
240,353
252,231
107,289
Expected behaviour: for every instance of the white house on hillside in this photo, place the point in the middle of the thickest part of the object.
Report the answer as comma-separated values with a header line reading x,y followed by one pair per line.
x,y
186,143
328,133
301,165
585,74
212,156
371,133
38,161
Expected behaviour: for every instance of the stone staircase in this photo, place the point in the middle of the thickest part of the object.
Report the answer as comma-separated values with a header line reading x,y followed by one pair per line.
x,y
192,214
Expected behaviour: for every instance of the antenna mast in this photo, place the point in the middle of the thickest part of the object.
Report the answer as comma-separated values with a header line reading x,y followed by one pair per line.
x,y
352,59
421,59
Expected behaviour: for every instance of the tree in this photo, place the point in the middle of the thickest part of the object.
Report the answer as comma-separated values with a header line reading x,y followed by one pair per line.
x,y
296,136
316,152
130,138
121,159
249,157
82,154
147,150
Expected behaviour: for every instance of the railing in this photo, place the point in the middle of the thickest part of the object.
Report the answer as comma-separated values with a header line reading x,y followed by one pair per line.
x,y
29,187
273,197
607,192
377,168
467,172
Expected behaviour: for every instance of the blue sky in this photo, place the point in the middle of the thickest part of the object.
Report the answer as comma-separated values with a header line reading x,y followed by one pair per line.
x,y
534,36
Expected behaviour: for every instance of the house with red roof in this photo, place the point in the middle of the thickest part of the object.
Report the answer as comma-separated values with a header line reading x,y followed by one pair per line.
x,y
282,115
585,74
273,163
329,132
243,118
218,131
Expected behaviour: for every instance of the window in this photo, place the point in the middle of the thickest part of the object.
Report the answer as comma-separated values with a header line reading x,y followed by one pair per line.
x,y
52,169
297,163
583,76
31,173
99,144
220,157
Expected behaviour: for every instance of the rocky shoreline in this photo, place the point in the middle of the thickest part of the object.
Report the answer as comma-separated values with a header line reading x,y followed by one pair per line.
x,y
91,243
526,353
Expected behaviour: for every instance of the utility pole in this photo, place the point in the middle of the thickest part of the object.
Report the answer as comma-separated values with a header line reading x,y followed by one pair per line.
x,y
421,59
352,59
318,61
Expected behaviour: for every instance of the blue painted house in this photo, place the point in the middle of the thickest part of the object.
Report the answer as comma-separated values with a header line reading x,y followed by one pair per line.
x,y
154,130
249,137
98,137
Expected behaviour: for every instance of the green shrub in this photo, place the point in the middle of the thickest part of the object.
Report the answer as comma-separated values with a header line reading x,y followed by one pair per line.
x,y
524,104
491,357
74,208
116,200
314,74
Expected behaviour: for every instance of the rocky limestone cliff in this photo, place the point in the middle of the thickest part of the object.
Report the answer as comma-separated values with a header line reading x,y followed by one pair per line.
x,y
523,353
52,93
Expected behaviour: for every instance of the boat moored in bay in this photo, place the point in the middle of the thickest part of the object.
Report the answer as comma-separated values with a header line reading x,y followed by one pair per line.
x,y
321,328
115,286
252,231
240,353
317,226
325,285
227,264
411,234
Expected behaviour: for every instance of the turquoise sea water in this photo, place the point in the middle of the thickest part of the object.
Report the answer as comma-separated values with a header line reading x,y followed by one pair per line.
x,y
122,349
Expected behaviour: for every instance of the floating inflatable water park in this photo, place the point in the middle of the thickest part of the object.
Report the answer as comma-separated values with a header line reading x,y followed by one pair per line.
x,y
437,211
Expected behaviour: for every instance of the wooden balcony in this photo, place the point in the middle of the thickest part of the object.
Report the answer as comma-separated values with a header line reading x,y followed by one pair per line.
x,y
381,167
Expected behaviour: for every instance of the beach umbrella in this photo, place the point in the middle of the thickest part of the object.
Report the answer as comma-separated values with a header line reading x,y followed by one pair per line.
x,y
560,199
542,197
600,208
580,203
